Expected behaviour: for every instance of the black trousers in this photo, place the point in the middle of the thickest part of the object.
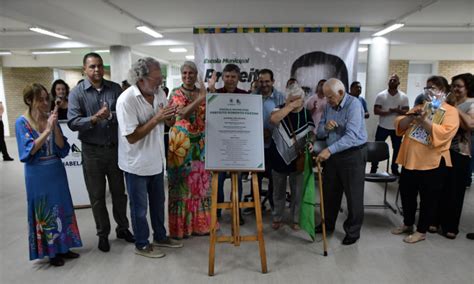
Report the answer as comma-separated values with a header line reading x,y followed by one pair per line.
x,y
381,135
3,145
345,173
100,165
452,195
428,184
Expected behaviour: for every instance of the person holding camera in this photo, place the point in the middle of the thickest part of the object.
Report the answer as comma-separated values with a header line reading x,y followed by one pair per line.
x,y
294,128
424,156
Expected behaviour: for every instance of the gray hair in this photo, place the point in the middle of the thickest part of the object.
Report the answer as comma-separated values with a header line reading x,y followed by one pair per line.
x,y
335,85
189,64
141,69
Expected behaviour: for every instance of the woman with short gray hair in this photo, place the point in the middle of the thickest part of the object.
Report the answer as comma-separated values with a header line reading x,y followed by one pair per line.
x,y
189,201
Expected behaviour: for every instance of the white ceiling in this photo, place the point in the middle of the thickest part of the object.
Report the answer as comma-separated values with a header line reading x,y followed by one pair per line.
x,y
95,24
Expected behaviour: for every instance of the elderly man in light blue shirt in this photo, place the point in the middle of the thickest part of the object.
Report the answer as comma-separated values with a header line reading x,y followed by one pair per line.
x,y
343,127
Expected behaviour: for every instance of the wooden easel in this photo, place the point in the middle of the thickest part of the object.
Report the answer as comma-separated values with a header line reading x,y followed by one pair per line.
x,y
234,205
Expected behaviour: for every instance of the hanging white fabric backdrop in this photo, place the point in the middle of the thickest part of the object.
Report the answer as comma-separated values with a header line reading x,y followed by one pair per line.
x,y
279,52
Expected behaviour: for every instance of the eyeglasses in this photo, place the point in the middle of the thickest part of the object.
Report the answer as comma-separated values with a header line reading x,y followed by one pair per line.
x,y
153,79
432,88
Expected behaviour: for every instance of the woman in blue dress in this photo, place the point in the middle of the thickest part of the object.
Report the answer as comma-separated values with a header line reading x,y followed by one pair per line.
x,y
52,223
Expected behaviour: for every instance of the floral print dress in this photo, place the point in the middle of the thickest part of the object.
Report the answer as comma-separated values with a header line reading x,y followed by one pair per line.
x,y
52,223
189,184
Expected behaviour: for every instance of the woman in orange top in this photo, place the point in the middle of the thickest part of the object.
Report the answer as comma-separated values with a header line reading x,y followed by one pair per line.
x,y
424,163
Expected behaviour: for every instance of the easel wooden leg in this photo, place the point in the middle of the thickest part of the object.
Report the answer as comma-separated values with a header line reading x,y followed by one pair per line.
x,y
212,235
258,217
234,205
323,221
235,208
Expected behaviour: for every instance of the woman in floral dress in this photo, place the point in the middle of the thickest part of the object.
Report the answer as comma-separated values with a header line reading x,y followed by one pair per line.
x,y
41,145
189,184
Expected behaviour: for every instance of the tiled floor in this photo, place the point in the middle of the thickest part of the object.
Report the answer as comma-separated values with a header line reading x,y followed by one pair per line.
x,y
378,257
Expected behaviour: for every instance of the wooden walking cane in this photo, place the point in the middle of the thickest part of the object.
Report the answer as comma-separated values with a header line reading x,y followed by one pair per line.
x,y
321,207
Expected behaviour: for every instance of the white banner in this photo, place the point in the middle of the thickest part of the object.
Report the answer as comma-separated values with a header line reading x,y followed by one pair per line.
x,y
306,56
73,165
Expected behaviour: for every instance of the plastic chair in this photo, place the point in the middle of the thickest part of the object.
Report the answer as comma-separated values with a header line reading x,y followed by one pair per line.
x,y
377,152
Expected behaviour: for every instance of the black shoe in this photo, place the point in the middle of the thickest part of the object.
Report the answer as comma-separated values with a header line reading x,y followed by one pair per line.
x,y
56,261
69,255
395,172
470,236
249,211
241,220
104,244
7,159
348,240
319,229
126,235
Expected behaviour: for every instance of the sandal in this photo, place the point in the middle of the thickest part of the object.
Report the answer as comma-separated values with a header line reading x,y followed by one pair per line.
x,y
414,238
276,225
402,230
295,227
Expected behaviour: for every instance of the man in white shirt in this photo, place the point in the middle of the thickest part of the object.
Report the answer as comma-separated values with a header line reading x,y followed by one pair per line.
x,y
389,104
141,113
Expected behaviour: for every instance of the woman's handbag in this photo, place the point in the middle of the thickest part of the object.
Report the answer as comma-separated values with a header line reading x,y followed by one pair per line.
x,y
299,161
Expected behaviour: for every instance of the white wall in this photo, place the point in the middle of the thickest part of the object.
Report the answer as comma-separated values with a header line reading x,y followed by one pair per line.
x,y
2,99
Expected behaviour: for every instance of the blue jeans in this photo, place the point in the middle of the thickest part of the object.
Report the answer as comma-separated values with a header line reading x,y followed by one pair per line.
x,y
139,188
220,188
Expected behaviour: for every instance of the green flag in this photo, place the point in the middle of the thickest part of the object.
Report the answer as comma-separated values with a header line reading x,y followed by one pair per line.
x,y
308,202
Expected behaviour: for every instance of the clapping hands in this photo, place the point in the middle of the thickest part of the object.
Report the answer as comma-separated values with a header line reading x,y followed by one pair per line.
x,y
52,120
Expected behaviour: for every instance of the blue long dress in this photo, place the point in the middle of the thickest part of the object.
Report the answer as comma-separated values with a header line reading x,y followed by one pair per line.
x,y
51,220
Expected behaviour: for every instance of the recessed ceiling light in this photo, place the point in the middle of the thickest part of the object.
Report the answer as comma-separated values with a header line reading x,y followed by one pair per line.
x,y
101,51
48,32
51,52
178,49
189,57
362,49
388,29
149,31
5,53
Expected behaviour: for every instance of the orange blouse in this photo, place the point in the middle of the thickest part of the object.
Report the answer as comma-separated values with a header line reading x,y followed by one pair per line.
x,y
414,155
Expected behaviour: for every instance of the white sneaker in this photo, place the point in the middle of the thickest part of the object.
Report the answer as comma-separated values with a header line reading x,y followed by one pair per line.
x,y
149,251
168,242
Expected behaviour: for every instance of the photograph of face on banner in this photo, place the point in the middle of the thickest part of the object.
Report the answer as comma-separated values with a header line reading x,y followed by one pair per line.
x,y
311,67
